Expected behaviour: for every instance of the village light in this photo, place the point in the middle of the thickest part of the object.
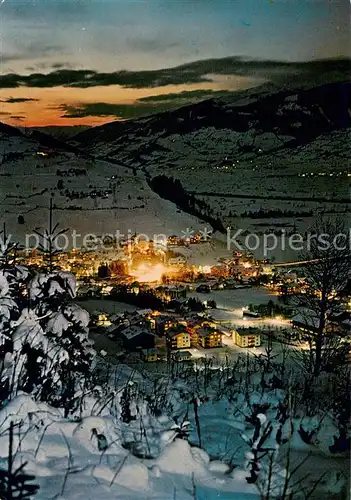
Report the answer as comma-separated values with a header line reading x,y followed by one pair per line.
x,y
205,269
145,274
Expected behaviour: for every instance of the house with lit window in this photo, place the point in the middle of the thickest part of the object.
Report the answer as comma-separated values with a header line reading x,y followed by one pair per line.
x,y
180,356
247,337
103,320
194,324
194,338
150,355
178,337
163,323
44,151
176,292
209,337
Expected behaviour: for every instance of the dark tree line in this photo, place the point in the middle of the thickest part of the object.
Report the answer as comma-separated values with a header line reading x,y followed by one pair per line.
x,y
145,299
268,214
172,189
71,172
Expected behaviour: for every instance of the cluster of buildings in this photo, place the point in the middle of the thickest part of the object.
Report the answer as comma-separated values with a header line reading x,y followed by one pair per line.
x,y
127,258
82,264
308,321
156,335
193,331
175,240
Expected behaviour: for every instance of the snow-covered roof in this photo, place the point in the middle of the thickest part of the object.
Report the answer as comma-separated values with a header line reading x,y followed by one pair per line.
x,y
144,312
246,332
133,331
112,328
115,317
306,318
182,354
151,351
165,318
204,331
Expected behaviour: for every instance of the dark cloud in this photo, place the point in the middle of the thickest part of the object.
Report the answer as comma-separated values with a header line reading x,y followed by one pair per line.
x,y
18,118
13,100
121,111
185,95
10,81
50,66
62,65
142,107
192,73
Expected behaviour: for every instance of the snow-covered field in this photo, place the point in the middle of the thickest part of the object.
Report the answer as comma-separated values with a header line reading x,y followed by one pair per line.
x,y
65,458
235,300
107,306
107,199
310,182
230,305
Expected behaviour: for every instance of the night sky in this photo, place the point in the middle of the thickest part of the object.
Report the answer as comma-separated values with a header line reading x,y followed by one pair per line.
x,y
71,62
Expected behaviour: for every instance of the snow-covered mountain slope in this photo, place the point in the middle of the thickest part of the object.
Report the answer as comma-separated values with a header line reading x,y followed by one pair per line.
x,y
263,159
90,196
251,120
28,140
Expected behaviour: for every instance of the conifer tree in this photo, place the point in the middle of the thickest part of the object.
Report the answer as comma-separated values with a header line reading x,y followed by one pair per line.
x,y
126,415
49,236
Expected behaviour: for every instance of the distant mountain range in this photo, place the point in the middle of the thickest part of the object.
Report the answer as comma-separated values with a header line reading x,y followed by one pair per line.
x,y
257,119
34,136
62,133
254,123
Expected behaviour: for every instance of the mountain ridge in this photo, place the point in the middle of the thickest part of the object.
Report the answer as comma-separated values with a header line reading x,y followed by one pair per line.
x,y
319,109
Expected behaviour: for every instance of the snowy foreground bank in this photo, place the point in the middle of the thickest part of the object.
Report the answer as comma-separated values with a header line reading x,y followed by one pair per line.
x,y
69,461
96,454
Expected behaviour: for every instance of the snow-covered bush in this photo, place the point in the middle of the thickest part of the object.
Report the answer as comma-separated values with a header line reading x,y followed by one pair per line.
x,y
44,342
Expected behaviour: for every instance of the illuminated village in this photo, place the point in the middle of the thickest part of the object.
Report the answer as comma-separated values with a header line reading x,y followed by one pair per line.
x,y
175,314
